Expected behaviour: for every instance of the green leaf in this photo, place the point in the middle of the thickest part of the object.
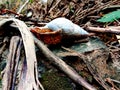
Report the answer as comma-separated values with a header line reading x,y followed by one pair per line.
x,y
110,17
30,1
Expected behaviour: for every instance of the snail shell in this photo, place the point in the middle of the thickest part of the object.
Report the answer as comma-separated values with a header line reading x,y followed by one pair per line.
x,y
70,31
67,27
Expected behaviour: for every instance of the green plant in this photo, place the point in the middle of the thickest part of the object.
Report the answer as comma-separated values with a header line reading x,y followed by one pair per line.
x,y
110,17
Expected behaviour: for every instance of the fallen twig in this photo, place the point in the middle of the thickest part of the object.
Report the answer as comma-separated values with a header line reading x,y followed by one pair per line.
x,y
69,71
103,30
54,6
116,81
19,11
111,30
110,81
95,74
2,48
80,13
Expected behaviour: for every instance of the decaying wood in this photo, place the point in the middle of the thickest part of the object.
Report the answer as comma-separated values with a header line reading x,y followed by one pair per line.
x,y
112,30
29,79
95,74
9,76
69,71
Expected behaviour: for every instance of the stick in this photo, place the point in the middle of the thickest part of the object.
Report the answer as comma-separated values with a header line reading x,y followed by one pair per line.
x,y
103,30
69,71
86,60
54,6
110,79
2,48
19,11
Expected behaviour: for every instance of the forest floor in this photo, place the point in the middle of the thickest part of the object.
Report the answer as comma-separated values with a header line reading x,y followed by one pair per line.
x,y
101,68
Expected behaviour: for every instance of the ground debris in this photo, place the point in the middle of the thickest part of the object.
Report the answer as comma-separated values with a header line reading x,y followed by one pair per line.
x,y
103,53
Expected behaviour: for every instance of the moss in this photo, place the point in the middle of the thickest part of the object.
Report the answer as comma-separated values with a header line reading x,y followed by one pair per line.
x,y
54,81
